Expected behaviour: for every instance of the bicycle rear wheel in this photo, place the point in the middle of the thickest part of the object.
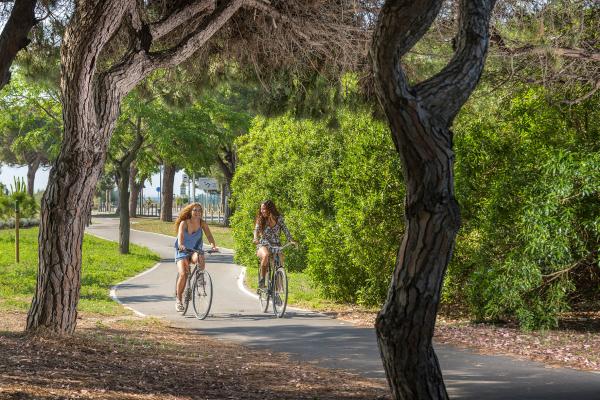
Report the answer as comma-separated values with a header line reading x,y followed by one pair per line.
x,y
202,294
280,292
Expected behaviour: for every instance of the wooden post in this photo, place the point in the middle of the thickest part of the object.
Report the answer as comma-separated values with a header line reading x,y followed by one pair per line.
x,y
17,230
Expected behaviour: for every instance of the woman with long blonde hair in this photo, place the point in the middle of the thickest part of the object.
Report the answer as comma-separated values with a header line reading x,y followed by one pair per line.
x,y
189,226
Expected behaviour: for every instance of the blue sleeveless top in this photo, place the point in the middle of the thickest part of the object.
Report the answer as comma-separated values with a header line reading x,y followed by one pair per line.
x,y
190,241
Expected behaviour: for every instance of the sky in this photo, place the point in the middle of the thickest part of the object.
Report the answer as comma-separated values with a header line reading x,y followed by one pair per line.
x,y
7,175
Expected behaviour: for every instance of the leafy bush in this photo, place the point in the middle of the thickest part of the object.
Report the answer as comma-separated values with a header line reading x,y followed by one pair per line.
x,y
528,180
18,193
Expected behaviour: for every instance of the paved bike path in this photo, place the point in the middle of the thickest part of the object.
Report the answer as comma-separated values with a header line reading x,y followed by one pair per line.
x,y
325,341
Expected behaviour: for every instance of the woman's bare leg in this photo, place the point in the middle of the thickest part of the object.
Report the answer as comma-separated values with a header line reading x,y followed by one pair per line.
x,y
183,267
263,256
200,260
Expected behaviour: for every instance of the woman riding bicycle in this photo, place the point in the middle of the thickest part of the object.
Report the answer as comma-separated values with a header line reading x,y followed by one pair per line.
x,y
269,225
189,227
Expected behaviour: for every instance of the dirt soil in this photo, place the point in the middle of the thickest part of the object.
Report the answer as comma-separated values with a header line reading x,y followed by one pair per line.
x,y
134,358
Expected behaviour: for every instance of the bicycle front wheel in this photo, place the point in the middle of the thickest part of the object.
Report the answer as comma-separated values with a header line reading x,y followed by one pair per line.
x,y
280,292
202,294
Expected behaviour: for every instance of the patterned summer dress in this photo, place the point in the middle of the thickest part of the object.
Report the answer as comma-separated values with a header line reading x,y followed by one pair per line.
x,y
272,235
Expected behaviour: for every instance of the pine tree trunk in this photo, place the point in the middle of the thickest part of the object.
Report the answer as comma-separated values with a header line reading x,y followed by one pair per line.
x,y
166,208
64,211
124,225
31,171
91,97
90,112
419,117
405,324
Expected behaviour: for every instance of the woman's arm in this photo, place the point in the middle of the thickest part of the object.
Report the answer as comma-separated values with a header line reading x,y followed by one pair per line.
x,y
209,235
182,226
256,228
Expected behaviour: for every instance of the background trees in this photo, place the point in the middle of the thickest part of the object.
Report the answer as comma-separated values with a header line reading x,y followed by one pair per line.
x,y
30,126
14,35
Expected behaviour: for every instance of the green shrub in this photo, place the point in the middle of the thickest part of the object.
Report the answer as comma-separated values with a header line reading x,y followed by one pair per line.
x,y
528,180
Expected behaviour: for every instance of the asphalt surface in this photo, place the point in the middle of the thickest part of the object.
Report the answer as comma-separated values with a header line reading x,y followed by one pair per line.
x,y
324,341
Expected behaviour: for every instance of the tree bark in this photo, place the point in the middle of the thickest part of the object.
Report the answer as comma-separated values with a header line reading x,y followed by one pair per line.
x,y
14,35
135,189
166,207
88,122
124,225
420,118
32,168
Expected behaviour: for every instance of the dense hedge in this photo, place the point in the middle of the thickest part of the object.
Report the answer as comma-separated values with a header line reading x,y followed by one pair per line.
x,y
527,180
338,184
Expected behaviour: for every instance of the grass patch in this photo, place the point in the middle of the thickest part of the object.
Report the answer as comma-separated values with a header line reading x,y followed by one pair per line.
x,y
102,267
221,234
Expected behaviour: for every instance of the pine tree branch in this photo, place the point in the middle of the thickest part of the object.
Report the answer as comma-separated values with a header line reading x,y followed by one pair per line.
x,y
445,93
180,17
14,35
402,24
140,62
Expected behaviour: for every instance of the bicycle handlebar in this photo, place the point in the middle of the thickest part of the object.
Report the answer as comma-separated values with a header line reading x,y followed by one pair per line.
x,y
210,251
276,249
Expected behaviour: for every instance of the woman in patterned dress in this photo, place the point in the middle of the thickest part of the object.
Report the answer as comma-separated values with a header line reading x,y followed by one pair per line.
x,y
269,225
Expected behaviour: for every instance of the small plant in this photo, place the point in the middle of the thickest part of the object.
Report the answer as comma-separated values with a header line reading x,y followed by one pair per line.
x,y
17,193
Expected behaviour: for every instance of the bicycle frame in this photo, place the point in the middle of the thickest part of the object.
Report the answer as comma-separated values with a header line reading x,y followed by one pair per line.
x,y
192,279
275,276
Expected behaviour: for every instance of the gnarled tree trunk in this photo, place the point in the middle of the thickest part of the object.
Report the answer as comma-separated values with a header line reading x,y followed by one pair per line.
x,y
90,109
166,207
420,117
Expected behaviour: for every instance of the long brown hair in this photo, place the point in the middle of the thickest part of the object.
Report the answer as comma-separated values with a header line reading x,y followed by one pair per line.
x,y
262,221
186,214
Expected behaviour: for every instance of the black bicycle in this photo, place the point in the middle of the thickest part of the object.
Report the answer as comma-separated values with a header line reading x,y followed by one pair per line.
x,y
198,287
276,282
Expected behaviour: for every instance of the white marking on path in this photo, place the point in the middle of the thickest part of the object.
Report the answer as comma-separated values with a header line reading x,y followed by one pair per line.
x,y
113,290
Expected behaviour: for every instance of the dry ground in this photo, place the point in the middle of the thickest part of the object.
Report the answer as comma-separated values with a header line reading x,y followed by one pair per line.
x,y
133,358
576,344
